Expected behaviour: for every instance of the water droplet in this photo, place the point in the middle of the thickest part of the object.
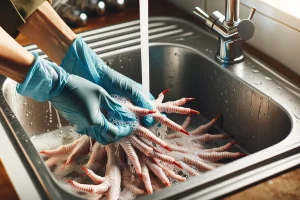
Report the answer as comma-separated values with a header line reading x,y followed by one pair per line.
x,y
206,49
122,67
31,123
60,131
255,71
269,79
258,82
210,51
175,54
278,88
27,115
47,130
179,39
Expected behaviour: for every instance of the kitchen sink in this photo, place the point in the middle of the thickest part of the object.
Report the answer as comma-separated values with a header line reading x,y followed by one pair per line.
x,y
260,108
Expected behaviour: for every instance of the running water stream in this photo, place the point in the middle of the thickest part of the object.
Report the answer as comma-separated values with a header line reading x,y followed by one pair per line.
x,y
144,45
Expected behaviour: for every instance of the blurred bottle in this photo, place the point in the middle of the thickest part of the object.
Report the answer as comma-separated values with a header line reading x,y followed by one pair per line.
x,y
71,14
115,4
90,7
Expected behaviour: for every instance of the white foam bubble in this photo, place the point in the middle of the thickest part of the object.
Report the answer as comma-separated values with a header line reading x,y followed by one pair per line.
x,y
127,195
114,120
51,139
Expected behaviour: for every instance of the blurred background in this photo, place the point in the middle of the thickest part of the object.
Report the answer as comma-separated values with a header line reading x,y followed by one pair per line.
x,y
76,13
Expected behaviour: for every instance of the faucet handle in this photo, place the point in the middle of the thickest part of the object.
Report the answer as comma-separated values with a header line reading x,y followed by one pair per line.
x,y
252,12
245,28
200,13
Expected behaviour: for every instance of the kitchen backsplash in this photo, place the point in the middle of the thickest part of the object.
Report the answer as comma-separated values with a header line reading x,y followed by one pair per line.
x,y
272,36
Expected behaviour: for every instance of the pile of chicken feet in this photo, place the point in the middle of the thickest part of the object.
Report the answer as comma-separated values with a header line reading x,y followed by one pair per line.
x,y
143,162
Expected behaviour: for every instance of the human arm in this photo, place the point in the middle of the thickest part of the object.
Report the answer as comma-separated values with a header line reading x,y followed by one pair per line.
x,y
15,61
77,99
49,32
46,29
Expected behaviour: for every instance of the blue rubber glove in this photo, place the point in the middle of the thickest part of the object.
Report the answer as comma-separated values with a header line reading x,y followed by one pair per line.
x,y
78,100
82,61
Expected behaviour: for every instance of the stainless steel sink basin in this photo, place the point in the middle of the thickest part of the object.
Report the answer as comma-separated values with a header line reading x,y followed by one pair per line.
x,y
259,107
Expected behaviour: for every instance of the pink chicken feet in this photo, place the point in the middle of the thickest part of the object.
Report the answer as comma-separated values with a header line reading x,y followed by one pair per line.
x,y
168,107
76,149
131,143
135,142
186,156
149,162
161,172
131,182
110,185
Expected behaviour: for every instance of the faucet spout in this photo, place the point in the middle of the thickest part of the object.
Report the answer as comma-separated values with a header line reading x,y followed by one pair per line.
x,y
231,30
232,11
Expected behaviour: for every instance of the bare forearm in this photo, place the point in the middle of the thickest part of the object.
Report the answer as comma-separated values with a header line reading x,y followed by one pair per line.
x,y
15,61
49,32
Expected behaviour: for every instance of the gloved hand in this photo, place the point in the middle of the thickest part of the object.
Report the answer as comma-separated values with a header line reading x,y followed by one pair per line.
x,y
84,62
78,100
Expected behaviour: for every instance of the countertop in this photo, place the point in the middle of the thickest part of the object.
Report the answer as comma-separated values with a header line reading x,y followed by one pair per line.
x,y
281,186
6,188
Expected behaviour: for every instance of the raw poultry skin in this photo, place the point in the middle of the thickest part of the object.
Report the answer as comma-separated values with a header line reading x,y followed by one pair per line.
x,y
138,161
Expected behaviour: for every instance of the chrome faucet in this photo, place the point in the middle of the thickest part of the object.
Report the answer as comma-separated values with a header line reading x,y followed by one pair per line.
x,y
230,29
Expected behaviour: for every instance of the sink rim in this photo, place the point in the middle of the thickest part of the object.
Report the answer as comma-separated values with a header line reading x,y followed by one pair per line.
x,y
17,129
